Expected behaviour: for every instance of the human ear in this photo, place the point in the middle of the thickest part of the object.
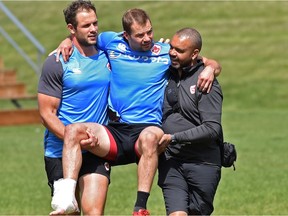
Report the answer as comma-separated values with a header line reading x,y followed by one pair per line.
x,y
71,28
195,54
125,35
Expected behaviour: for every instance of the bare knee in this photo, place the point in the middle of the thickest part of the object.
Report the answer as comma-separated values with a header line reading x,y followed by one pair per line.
x,y
148,142
150,138
76,132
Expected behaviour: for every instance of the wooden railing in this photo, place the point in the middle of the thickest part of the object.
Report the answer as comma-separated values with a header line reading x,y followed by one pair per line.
x,y
15,91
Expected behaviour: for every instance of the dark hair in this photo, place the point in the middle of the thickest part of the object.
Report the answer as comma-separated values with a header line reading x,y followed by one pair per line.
x,y
77,6
193,35
134,15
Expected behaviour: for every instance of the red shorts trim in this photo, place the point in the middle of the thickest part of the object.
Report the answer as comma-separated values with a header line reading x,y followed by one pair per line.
x,y
112,154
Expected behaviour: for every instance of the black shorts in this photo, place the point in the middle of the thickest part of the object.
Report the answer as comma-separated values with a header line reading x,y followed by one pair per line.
x,y
90,164
123,139
188,187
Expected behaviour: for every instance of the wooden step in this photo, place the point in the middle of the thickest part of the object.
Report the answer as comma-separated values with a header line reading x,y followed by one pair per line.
x,y
12,90
7,76
19,117
19,97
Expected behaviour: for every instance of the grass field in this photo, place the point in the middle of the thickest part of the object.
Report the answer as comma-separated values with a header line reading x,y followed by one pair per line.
x,y
249,38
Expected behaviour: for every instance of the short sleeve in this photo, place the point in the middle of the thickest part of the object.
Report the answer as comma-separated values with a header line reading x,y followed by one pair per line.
x,y
50,82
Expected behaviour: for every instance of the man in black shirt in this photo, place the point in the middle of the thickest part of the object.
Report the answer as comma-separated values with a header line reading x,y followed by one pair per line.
x,y
190,168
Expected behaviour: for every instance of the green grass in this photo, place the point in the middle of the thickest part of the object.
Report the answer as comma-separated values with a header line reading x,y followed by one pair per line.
x,y
249,38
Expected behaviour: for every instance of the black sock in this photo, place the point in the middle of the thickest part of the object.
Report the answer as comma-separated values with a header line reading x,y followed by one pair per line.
x,y
141,201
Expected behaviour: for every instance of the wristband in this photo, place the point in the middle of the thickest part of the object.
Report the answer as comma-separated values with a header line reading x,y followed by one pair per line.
x,y
173,139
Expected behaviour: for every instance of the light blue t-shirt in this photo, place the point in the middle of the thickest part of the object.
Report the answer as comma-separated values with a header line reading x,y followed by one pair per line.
x,y
82,84
138,79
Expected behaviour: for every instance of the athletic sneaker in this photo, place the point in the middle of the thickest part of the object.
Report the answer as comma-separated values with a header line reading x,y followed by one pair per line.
x,y
141,212
64,196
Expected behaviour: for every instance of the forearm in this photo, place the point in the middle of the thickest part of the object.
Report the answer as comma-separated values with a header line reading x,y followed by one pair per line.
x,y
209,110
53,124
48,108
213,65
203,133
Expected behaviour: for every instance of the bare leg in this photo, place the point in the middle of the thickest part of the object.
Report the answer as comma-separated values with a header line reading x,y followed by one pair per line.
x,y
72,161
94,188
72,155
147,146
148,163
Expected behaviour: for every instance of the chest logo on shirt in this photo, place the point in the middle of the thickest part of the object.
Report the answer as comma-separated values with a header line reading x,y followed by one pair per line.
x,y
156,49
122,47
192,89
74,66
114,55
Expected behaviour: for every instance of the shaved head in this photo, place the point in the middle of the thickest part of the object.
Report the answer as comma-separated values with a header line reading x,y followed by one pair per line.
x,y
193,35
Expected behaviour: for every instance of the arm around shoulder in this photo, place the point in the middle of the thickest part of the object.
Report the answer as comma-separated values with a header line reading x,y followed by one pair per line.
x,y
213,64
212,69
